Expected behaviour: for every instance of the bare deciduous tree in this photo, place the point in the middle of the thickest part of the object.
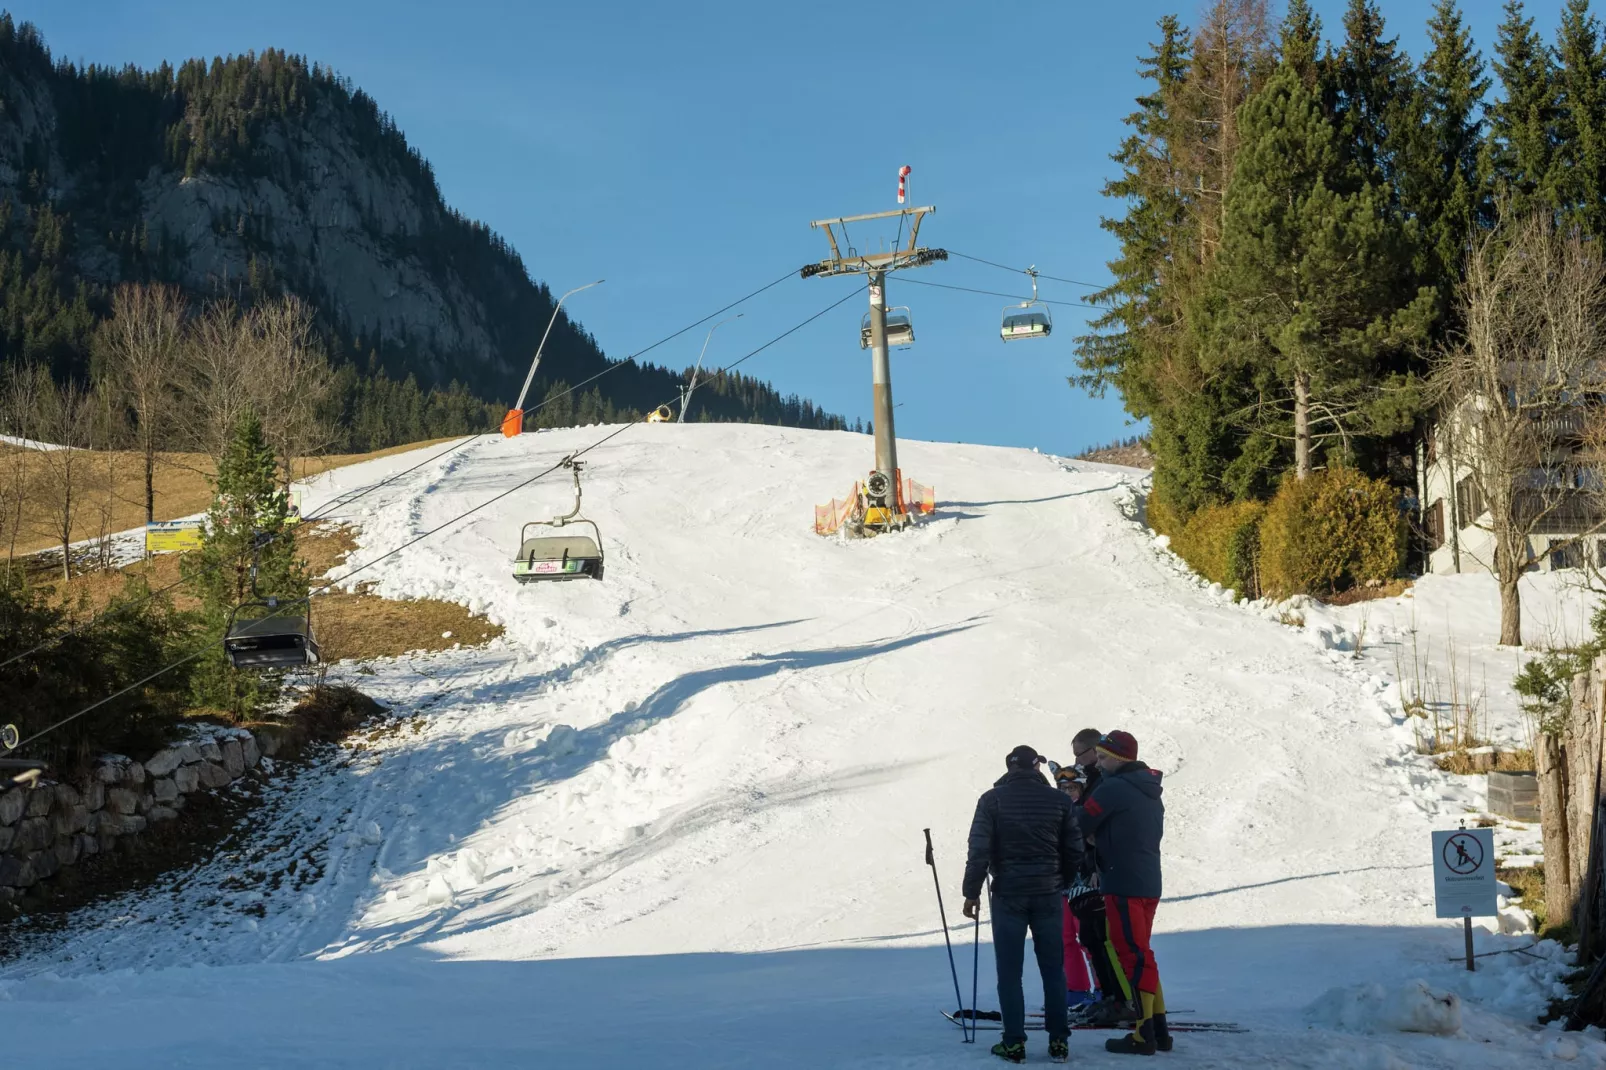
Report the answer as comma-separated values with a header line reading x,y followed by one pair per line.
x,y
218,366
19,416
1514,390
291,382
143,344
66,414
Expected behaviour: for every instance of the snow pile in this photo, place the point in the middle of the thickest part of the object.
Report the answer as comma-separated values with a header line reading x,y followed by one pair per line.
x,y
1371,1008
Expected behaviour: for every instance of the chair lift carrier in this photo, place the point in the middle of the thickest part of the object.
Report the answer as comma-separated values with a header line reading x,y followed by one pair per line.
x,y
261,637
560,556
1029,319
900,329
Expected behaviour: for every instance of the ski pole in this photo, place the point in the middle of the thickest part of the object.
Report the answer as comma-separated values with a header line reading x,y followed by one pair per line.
x,y
975,957
931,860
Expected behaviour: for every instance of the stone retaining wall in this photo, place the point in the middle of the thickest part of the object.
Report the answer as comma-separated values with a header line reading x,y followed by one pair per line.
x,y
57,824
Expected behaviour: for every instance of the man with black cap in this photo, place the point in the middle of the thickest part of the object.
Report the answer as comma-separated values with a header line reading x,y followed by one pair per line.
x,y
1025,835
1126,819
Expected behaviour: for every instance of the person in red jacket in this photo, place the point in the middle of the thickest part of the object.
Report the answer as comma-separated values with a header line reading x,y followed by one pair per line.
x,y
1126,819
1078,981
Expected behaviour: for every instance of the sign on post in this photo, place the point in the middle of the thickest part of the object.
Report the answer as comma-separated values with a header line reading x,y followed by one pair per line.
x,y
1463,873
168,536
1463,878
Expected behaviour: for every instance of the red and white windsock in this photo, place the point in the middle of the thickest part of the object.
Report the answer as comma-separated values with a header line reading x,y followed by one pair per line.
x,y
903,178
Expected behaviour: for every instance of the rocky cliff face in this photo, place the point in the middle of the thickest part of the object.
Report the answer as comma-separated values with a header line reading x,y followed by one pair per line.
x,y
261,173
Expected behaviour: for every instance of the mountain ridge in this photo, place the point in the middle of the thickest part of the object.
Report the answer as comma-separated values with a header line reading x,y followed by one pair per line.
x,y
259,174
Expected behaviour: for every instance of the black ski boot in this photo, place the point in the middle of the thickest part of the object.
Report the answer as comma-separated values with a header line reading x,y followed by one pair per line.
x,y
1058,1051
1138,1042
1162,1035
1014,1053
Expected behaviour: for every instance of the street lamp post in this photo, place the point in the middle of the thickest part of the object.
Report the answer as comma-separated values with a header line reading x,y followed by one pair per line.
x,y
513,422
685,399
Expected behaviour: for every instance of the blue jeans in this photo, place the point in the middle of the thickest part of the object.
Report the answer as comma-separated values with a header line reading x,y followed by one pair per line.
x,y
1012,916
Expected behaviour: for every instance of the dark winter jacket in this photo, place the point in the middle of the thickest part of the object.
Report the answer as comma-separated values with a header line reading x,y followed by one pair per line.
x,y
1126,819
1090,860
1024,834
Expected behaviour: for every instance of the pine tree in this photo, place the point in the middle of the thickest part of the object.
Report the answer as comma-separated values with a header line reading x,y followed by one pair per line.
x,y
1299,44
1374,86
1306,294
1438,179
1151,187
1579,185
1522,122
245,525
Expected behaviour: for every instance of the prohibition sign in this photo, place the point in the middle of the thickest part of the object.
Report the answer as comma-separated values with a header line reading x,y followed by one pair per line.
x,y
1462,854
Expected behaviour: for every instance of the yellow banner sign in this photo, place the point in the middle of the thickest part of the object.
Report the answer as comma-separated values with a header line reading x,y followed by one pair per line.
x,y
170,536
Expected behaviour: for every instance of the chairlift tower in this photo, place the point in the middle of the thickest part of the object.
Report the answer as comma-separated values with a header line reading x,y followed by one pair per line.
x,y
882,492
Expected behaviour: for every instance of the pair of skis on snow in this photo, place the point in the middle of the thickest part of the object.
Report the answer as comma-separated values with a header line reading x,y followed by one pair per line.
x,y
1034,1022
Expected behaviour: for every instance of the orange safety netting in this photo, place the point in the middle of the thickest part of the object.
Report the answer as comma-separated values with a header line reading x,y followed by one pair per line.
x,y
828,519
919,497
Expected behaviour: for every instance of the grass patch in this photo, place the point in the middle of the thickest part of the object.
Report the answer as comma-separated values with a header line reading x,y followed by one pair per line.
x,y
1390,589
348,625
362,626
112,490
1464,763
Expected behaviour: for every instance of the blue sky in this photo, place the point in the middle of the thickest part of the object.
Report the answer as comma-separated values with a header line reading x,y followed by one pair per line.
x,y
680,150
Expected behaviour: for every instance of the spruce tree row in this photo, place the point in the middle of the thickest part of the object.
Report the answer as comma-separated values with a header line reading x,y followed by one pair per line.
x,y
1295,220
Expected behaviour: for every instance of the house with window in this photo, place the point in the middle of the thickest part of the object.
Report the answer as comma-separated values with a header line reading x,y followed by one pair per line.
x,y
1560,496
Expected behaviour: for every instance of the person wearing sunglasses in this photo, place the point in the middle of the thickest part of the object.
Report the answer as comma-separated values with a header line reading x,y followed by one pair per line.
x,y
1024,835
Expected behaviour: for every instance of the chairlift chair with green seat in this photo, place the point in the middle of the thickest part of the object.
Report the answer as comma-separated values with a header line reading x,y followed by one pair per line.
x,y
562,556
1029,319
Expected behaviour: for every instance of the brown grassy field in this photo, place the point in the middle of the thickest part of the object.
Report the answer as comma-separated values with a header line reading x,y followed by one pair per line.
x,y
348,625
112,490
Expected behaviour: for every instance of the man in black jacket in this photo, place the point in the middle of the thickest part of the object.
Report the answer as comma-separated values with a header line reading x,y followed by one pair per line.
x,y
1025,835
1126,819
1088,905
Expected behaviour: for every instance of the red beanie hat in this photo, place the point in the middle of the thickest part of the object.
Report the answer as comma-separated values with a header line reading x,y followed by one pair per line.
x,y
1120,745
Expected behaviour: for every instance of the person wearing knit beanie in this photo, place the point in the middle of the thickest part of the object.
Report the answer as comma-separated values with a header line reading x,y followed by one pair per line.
x,y
1126,818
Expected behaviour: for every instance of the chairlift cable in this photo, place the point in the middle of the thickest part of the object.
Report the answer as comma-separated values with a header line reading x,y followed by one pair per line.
x,y
306,598
1023,271
998,293
341,501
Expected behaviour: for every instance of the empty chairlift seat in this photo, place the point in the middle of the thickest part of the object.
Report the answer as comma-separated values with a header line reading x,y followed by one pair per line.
x,y
900,329
558,557
259,637
1026,323
1029,319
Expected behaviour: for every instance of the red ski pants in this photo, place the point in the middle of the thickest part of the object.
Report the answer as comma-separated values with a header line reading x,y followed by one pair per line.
x,y
1130,922
1076,975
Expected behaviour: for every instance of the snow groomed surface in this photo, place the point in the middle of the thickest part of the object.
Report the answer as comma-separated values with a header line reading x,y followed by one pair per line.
x,y
676,816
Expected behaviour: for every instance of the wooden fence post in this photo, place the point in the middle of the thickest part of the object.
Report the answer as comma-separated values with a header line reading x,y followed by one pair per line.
x,y
1552,771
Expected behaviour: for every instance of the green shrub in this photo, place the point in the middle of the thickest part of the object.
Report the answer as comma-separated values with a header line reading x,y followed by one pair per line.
x,y
1221,543
135,634
1329,532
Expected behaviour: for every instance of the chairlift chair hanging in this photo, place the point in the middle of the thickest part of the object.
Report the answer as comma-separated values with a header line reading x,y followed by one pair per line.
x,y
261,636
900,329
564,556
1029,319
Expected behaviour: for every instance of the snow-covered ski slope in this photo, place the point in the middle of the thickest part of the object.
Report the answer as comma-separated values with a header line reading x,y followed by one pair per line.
x,y
674,818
